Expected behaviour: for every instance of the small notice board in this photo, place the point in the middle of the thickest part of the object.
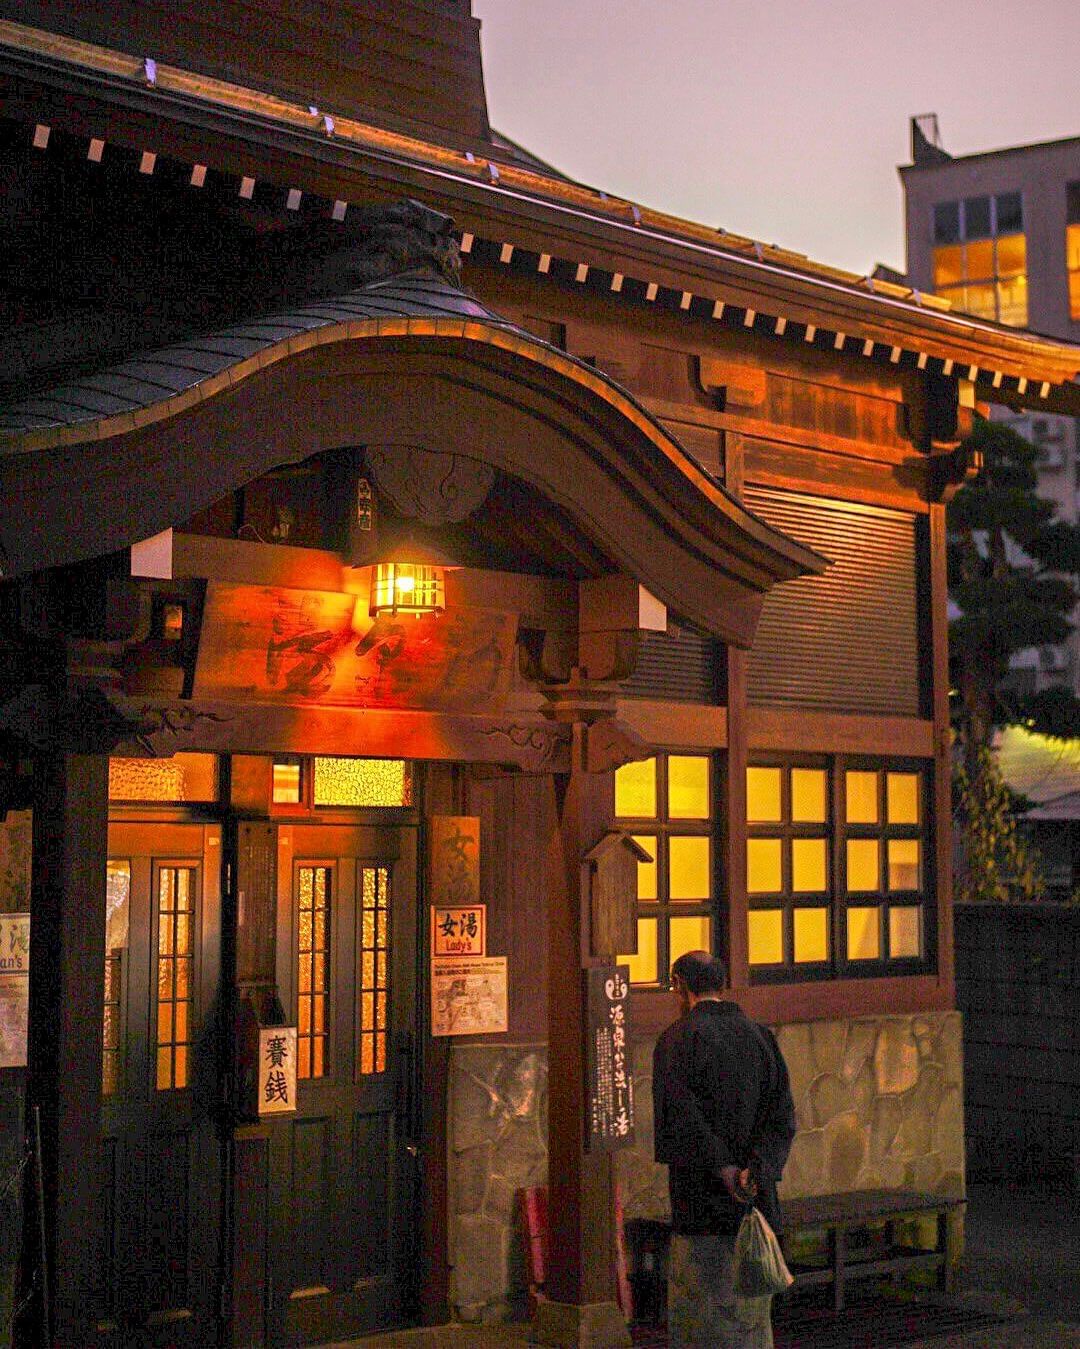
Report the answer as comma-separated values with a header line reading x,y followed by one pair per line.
x,y
14,988
609,1087
468,997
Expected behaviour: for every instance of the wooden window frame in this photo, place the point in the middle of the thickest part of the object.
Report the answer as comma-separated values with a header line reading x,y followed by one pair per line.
x,y
333,899
160,865
663,827
836,898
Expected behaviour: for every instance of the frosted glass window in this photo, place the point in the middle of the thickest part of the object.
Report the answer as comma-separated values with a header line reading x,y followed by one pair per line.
x,y
184,777
864,934
902,798
689,934
811,935
766,936
286,783
862,797
646,871
643,966
362,782
905,932
688,787
635,790
863,872
689,870
763,796
904,863
764,874
808,795
809,868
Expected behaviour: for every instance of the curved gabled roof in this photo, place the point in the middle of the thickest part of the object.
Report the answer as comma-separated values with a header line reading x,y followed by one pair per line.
x,y
111,457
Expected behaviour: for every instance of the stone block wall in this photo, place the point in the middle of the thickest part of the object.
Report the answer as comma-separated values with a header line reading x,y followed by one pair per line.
x,y
879,1105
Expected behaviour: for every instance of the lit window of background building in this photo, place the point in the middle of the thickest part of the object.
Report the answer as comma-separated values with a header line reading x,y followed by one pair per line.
x,y
980,256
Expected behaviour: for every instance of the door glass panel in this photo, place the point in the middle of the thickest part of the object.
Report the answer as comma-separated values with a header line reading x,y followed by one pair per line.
x,y
117,908
688,867
689,934
905,932
862,801
862,864
808,798
763,795
374,963
903,854
763,866
811,935
808,865
902,798
688,787
313,891
176,900
643,966
635,790
864,934
766,933
646,871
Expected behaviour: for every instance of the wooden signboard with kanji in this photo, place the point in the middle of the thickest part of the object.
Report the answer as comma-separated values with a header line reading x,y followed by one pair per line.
x,y
609,1082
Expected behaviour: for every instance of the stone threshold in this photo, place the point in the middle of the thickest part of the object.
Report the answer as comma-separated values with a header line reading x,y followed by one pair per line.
x,y
453,1336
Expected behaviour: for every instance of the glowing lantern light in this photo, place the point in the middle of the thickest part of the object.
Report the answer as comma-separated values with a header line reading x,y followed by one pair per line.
x,y
406,588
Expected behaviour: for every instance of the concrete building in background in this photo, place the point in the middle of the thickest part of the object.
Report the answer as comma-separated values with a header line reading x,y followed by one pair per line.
x,y
998,235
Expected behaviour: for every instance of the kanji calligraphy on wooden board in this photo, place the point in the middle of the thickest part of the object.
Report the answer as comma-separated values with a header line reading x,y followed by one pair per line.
x,y
609,1084
277,645
455,861
277,1069
14,988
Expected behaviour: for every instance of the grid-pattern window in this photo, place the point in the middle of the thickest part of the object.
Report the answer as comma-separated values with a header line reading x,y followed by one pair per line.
x,y
836,867
175,981
980,256
374,973
1072,247
667,803
314,883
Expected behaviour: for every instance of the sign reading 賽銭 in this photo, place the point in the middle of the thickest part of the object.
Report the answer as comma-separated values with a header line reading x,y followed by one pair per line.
x,y
277,1069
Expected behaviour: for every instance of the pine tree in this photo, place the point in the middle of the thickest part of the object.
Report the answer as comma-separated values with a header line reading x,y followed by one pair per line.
x,y
1012,577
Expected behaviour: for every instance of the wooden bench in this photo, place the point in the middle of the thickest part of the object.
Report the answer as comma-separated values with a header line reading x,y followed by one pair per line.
x,y
878,1214
841,1218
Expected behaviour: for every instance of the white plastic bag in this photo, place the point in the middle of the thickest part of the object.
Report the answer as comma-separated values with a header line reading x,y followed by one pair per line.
x,y
760,1267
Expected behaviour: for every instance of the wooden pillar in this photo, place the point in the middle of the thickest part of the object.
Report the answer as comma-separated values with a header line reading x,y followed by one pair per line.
x,y
942,791
581,1306
67,964
733,839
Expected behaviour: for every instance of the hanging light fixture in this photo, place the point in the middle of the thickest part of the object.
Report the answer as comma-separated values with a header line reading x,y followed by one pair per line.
x,y
407,588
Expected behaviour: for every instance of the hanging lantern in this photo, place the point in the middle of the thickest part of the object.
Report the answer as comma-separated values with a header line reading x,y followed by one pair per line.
x,y
406,588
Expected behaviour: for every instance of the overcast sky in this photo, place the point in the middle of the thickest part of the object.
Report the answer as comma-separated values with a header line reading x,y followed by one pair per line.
x,y
785,119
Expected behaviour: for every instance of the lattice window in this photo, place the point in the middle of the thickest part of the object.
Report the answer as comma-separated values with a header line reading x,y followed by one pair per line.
x,y
313,970
175,974
373,978
117,905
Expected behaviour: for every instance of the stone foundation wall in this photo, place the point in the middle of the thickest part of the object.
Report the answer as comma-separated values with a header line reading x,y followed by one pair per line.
x,y
879,1104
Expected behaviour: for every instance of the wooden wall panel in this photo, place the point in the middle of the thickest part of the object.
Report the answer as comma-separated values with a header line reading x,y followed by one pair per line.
x,y
251,1190
517,815
847,641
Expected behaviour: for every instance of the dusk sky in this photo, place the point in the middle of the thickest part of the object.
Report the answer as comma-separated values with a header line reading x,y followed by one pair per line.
x,y
783,120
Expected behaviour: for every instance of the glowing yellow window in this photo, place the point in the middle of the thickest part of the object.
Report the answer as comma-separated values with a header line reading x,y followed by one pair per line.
x,y
863,870
1011,255
904,859
902,798
764,873
862,797
811,935
690,934
689,872
286,783
980,260
905,932
362,782
864,934
982,300
763,801
948,265
643,966
646,871
635,790
766,936
688,787
808,865
808,801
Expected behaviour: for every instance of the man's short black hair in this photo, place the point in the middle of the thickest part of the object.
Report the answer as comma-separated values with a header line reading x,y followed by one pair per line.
x,y
700,973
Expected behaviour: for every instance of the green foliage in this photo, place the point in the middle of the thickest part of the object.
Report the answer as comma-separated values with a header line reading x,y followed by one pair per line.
x,y
999,864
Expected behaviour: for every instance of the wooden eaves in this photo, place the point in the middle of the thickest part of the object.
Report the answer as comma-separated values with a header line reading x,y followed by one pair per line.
x,y
531,218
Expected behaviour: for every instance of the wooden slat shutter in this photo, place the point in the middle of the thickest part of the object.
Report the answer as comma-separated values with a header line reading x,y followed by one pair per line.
x,y
679,664
846,641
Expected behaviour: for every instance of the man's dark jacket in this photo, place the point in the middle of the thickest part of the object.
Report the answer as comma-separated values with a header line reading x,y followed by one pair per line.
x,y
722,1098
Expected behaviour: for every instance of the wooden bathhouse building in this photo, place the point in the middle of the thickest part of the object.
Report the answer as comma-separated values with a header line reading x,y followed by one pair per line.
x,y
429,587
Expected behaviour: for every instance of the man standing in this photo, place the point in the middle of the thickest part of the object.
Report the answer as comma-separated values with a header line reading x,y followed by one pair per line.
x,y
724,1122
